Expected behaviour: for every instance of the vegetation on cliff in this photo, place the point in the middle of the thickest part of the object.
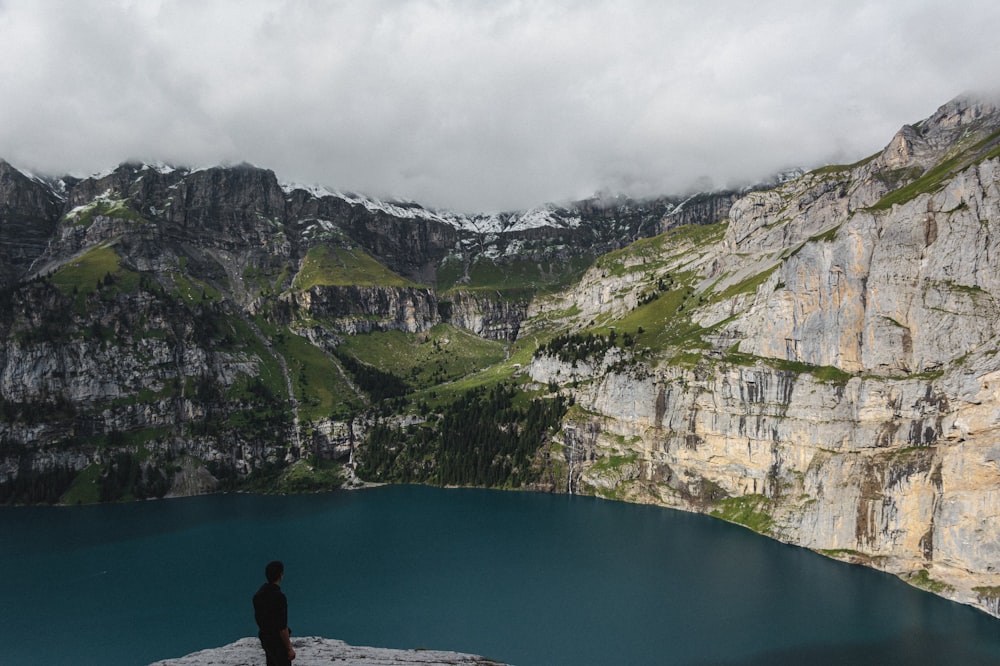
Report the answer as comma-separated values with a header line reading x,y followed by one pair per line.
x,y
488,437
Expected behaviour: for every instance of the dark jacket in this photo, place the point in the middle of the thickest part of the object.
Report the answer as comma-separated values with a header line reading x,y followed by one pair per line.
x,y
270,609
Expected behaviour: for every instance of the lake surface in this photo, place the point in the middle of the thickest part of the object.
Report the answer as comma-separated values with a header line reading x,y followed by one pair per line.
x,y
529,579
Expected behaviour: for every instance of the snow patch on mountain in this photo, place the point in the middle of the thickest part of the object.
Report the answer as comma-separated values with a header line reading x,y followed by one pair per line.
x,y
105,198
56,186
28,174
543,216
320,228
318,191
161,168
400,210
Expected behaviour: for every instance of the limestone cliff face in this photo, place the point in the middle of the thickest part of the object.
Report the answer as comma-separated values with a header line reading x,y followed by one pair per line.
x,y
700,208
184,323
357,309
28,210
489,315
845,392
138,374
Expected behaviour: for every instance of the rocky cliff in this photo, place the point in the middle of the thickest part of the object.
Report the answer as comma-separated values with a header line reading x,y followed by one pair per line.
x,y
490,314
167,330
354,309
29,208
817,359
823,369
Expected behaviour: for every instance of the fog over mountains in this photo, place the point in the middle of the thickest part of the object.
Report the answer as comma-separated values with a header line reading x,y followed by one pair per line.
x,y
481,107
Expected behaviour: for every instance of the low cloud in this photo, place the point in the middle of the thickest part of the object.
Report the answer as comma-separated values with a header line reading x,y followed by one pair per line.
x,y
480,106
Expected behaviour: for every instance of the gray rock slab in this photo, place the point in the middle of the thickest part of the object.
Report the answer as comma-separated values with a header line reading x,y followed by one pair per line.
x,y
315,651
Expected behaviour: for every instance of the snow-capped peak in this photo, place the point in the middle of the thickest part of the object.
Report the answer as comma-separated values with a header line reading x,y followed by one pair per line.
x,y
541,216
317,191
160,167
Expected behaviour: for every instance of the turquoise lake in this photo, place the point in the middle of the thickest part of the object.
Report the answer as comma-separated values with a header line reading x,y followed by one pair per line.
x,y
530,579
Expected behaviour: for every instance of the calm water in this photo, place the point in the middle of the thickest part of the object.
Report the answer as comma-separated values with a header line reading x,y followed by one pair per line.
x,y
525,578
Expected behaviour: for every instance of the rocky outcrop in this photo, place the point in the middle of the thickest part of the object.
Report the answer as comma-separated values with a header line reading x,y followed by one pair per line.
x,y
356,309
919,296
313,651
151,312
888,473
491,315
412,248
28,212
704,208
843,395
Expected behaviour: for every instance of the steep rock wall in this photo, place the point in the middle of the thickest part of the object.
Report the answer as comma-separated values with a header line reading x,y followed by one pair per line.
x,y
848,400
700,209
488,315
357,309
28,214
903,290
890,473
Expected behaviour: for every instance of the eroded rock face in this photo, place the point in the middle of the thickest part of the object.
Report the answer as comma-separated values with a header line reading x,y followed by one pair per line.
x,y
850,402
488,315
358,309
28,210
141,309
903,290
888,472
700,209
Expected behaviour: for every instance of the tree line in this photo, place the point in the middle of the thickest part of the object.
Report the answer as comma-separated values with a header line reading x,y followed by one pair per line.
x,y
378,384
574,347
483,439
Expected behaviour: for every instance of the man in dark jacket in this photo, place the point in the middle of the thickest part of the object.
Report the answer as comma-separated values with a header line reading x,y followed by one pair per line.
x,y
270,609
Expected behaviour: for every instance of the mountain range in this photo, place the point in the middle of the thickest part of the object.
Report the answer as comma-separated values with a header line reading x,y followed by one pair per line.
x,y
817,358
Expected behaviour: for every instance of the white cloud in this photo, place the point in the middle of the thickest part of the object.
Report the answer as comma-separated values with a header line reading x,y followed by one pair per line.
x,y
480,106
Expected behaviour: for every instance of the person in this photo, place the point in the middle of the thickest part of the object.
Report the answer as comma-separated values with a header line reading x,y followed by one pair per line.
x,y
270,610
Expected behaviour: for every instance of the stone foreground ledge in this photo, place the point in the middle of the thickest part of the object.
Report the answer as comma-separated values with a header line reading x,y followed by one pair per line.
x,y
315,651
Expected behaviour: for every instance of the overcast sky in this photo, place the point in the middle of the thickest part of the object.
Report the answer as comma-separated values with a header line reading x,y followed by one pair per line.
x,y
481,106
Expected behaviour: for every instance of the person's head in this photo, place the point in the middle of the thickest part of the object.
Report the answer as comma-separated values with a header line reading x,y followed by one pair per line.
x,y
274,571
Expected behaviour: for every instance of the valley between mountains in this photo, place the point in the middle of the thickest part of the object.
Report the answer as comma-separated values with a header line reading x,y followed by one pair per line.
x,y
817,358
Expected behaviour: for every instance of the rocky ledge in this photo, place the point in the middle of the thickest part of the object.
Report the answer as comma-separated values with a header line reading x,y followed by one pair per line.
x,y
314,651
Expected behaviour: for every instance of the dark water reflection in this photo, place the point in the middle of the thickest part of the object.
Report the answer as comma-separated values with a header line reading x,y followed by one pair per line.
x,y
525,578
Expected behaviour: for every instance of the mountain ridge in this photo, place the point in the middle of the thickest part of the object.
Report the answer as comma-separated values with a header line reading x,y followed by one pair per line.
x,y
151,191
816,360
546,214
